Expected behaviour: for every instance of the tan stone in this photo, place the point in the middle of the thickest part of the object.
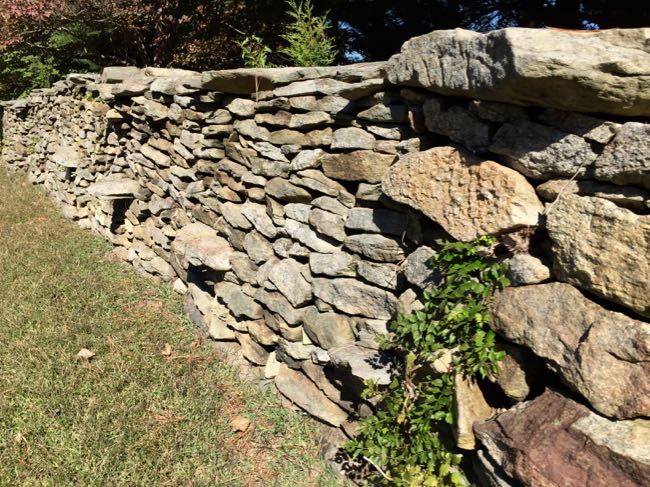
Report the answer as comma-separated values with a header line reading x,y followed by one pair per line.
x,y
470,407
467,195
603,249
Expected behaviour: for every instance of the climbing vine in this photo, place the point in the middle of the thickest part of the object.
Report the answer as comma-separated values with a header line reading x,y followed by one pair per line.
x,y
409,440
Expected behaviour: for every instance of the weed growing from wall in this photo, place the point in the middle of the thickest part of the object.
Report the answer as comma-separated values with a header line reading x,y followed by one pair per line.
x,y
409,440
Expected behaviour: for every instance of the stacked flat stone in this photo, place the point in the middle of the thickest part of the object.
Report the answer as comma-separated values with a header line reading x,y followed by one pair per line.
x,y
296,210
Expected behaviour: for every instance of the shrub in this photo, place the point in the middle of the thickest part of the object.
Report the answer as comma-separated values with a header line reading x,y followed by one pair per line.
x,y
308,42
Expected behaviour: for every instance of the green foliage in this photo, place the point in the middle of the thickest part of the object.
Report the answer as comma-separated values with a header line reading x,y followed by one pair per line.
x,y
254,52
308,42
409,438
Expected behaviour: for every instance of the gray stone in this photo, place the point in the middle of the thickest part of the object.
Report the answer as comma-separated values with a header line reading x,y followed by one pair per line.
x,y
363,363
327,330
338,264
355,298
243,267
330,104
284,191
382,275
590,128
597,246
262,334
241,107
269,151
328,224
568,70
307,159
67,156
301,391
526,269
277,303
542,152
457,123
332,205
584,343
377,221
287,275
375,247
257,247
352,138
251,350
256,214
366,166
114,189
241,305
233,215
310,120
161,159
297,211
317,181
466,195
629,197
198,244
303,234
417,269
626,159
394,113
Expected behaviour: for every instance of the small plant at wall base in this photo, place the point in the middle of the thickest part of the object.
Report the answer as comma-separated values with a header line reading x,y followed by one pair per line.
x,y
409,440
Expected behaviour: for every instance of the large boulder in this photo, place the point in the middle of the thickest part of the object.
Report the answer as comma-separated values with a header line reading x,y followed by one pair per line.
x,y
467,195
595,71
554,441
603,249
602,354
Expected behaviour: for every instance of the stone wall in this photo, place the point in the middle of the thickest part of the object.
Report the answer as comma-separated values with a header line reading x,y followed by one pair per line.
x,y
296,208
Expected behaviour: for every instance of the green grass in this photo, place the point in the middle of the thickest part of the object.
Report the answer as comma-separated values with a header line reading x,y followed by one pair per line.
x,y
130,416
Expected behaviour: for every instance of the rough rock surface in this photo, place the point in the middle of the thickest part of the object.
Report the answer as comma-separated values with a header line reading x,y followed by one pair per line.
x,y
630,197
554,441
584,343
626,160
469,407
199,244
599,71
355,298
597,246
300,390
468,196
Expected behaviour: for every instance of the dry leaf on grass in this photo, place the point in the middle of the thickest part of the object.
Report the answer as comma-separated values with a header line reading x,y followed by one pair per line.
x,y
85,354
240,423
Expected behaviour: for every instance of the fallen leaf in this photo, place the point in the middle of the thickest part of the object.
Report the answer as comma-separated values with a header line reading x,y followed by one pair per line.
x,y
240,423
85,354
167,350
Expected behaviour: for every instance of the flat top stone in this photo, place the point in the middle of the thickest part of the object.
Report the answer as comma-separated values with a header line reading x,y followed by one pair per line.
x,y
605,71
201,245
250,80
114,189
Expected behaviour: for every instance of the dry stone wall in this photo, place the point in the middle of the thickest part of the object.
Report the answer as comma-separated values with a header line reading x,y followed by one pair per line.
x,y
296,209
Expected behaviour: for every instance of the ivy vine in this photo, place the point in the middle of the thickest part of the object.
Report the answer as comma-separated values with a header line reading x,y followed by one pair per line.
x,y
409,440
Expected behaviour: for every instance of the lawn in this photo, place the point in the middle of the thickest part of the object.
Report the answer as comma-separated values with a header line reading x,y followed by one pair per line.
x,y
155,405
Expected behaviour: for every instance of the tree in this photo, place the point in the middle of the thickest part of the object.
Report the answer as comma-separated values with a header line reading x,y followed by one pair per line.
x,y
308,42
